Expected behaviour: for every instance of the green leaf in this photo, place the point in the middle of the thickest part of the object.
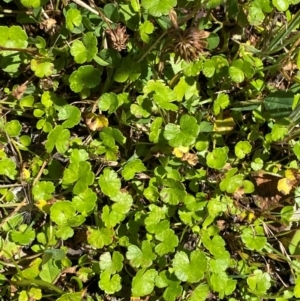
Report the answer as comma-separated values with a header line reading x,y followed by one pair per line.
x,y
111,264
281,5
259,282
84,77
70,114
131,168
242,148
43,190
110,283
184,267
217,158
155,129
157,8
59,138
109,182
24,236
127,70
185,135
256,15
86,50
200,293
85,201
73,17
296,149
279,104
143,282
14,37
145,29
221,103
98,238
278,132
108,102
169,241
173,288
49,271
33,3
236,71
162,95
173,193
141,257
42,67
61,212
13,128
222,284
8,168
254,238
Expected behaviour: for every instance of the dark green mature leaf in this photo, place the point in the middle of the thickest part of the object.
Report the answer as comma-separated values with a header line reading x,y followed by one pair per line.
x,y
279,104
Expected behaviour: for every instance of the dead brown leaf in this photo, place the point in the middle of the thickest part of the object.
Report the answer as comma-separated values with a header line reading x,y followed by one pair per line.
x,y
19,91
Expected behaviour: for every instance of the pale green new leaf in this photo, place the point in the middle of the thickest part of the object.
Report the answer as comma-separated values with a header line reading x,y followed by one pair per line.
x,y
143,282
110,284
109,182
157,8
141,257
131,168
169,241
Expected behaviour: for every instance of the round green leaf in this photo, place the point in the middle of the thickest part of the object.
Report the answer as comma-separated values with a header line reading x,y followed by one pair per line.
x,y
13,128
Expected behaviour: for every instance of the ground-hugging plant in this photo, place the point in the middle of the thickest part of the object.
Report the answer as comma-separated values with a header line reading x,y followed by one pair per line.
x,y
149,150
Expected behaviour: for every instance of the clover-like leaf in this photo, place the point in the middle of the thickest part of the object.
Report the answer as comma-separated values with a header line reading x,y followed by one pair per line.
x,y
110,283
61,212
113,263
13,128
43,190
86,50
221,103
183,135
42,67
184,267
242,148
145,30
200,293
73,17
98,238
254,238
70,114
155,129
84,77
217,158
143,282
131,168
85,201
109,182
162,95
59,138
33,3
109,102
259,282
127,70
24,236
13,37
222,284
157,8
141,257
173,288
173,193
169,241
8,168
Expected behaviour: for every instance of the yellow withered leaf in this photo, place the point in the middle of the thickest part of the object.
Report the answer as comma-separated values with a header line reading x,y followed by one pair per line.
x,y
43,206
290,174
96,122
285,186
178,152
224,126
